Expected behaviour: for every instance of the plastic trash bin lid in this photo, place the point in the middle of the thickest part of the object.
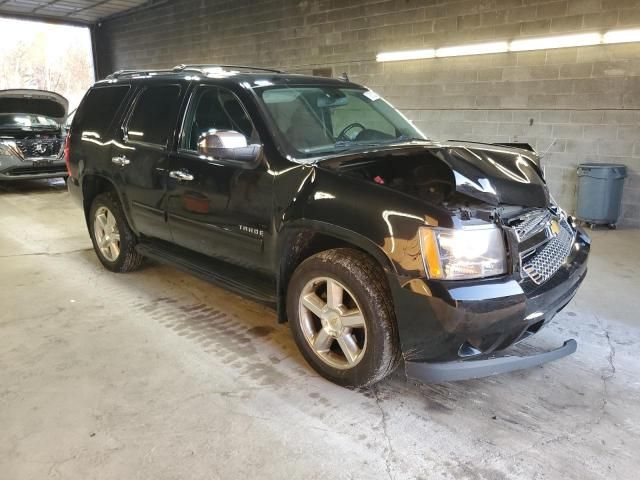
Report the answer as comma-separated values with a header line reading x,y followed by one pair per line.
x,y
602,170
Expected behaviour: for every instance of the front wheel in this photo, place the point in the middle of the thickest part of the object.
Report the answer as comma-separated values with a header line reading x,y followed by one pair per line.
x,y
113,241
341,314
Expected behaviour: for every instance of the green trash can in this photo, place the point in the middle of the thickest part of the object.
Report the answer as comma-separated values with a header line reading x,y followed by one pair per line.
x,y
600,192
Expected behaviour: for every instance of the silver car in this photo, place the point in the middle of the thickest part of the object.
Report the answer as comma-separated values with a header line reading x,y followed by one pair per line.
x,y
32,134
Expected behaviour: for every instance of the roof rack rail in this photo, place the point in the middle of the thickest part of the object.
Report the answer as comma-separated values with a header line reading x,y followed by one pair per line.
x,y
202,67
121,73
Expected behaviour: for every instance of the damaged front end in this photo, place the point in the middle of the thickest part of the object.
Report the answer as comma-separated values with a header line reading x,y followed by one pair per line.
x,y
31,134
491,264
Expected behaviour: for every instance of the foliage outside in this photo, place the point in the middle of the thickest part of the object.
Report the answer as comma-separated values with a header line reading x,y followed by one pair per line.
x,y
46,57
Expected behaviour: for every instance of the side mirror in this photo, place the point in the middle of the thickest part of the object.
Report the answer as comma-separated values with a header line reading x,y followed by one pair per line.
x,y
228,145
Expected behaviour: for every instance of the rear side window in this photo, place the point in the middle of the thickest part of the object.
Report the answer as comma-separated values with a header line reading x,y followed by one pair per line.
x,y
154,117
98,109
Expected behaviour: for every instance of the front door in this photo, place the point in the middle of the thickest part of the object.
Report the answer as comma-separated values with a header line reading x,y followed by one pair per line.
x,y
142,159
221,209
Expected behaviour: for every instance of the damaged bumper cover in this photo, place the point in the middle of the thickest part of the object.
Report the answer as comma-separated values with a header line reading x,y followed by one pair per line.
x,y
461,370
458,330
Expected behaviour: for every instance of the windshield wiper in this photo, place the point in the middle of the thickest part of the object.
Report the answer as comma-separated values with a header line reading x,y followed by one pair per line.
x,y
374,143
409,138
345,145
348,143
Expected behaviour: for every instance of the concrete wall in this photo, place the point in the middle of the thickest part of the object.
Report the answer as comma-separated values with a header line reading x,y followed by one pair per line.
x,y
576,104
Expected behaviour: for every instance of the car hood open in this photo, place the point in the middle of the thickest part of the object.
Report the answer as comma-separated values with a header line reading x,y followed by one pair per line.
x,y
37,102
492,174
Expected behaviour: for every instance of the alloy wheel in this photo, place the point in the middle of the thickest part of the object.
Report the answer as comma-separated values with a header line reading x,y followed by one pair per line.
x,y
106,233
332,323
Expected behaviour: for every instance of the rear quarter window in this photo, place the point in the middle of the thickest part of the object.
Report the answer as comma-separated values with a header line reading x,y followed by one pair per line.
x,y
155,115
95,114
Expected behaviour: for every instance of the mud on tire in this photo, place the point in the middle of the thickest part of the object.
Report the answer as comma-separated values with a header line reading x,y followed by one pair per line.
x,y
366,282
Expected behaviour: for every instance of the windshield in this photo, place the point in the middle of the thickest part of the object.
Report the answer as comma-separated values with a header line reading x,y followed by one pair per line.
x,y
21,120
321,120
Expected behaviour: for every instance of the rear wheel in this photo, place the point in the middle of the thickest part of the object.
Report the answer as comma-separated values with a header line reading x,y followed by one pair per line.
x,y
113,241
341,315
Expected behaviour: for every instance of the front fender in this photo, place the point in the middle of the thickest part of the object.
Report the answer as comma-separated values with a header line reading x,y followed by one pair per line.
x,y
385,221
299,226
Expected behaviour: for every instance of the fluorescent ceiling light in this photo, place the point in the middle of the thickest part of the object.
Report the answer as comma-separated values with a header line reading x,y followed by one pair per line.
x,y
521,45
622,36
476,49
579,40
406,55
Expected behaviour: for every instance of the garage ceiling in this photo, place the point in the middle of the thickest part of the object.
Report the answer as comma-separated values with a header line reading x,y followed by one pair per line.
x,y
83,11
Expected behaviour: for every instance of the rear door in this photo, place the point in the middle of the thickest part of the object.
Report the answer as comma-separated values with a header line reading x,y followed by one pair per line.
x,y
141,159
92,128
222,208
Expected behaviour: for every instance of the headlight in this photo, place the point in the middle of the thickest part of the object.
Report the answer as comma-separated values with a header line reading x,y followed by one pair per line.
x,y
5,149
456,254
10,148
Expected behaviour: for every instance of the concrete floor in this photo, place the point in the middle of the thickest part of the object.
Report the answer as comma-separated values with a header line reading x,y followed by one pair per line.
x,y
158,375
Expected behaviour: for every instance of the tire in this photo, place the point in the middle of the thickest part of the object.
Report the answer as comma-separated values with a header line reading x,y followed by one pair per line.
x,y
376,353
127,258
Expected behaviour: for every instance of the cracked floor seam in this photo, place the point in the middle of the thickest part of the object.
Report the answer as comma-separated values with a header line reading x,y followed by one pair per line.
x,y
383,424
47,254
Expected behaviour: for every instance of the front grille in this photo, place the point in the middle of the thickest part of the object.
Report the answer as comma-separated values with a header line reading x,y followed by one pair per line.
x,y
531,223
40,146
541,265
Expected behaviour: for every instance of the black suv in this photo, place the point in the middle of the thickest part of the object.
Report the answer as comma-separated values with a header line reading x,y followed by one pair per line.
x,y
317,197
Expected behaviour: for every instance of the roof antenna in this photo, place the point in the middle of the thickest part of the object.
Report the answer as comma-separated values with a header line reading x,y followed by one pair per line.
x,y
344,77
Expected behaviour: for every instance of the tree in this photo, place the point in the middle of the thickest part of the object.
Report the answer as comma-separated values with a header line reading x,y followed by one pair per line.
x,y
49,60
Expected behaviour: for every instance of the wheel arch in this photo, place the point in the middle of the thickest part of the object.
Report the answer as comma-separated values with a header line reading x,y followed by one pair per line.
x,y
95,184
303,240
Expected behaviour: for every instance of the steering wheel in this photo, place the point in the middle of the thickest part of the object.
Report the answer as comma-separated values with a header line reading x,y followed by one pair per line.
x,y
343,134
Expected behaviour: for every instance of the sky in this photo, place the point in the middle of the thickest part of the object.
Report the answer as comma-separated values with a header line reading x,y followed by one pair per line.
x,y
60,37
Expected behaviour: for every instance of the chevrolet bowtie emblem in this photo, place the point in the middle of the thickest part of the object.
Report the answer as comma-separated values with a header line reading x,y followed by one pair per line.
x,y
555,227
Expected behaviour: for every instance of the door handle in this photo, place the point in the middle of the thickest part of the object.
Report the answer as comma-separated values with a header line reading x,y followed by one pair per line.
x,y
120,161
181,175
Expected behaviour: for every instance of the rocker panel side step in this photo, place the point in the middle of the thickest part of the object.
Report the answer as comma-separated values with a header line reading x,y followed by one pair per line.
x,y
244,282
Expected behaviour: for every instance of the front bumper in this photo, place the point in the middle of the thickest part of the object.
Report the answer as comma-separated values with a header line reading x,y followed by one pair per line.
x,y
455,371
13,168
448,328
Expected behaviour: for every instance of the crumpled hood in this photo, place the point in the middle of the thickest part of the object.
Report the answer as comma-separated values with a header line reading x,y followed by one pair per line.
x,y
37,102
492,174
